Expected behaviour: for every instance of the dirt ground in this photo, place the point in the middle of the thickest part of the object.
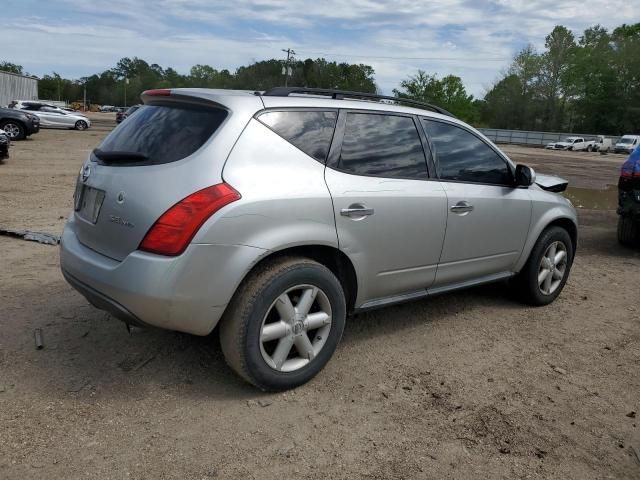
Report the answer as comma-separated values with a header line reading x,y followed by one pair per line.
x,y
465,385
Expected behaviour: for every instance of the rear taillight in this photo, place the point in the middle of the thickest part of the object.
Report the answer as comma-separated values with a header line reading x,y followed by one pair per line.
x,y
631,168
173,231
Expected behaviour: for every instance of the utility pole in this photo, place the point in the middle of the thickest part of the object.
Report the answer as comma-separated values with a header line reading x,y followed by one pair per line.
x,y
126,82
84,100
287,70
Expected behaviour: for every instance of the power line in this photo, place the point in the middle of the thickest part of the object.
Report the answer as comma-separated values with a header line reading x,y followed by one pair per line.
x,y
461,59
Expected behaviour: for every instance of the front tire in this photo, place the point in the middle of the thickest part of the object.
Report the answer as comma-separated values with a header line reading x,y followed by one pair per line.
x,y
628,231
15,130
547,269
81,125
284,323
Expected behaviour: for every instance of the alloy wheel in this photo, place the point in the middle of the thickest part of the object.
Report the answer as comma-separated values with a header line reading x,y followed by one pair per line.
x,y
12,130
295,328
553,266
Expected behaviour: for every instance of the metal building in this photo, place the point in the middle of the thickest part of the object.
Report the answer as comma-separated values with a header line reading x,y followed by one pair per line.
x,y
17,87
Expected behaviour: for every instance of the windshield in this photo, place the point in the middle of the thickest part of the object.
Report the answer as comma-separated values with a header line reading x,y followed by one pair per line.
x,y
569,139
626,140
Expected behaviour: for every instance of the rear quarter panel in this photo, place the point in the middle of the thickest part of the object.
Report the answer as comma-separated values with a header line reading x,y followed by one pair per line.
x,y
285,200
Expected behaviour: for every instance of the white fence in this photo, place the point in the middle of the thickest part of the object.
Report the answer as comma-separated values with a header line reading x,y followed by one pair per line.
x,y
524,137
17,87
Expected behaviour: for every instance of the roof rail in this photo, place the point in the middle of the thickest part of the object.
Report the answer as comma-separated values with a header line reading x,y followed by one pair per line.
x,y
343,94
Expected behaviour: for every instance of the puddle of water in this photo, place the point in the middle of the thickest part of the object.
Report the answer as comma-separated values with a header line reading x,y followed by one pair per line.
x,y
592,198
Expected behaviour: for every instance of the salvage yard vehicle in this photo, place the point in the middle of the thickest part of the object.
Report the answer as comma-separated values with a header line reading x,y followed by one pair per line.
x,y
627,144
573,144
629,201
18,124
120,116
602,144
55,117
5,143
275,215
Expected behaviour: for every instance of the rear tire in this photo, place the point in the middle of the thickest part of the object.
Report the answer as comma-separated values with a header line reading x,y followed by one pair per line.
x,y
547,269
589,149
269,347
15,130
628,231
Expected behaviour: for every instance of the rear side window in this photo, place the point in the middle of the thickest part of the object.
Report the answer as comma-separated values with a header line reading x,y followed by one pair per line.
x,y
382,146
464,157
163,133
310,131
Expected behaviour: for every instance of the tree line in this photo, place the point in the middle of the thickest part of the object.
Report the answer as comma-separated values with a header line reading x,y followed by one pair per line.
x,y
589,84
123,83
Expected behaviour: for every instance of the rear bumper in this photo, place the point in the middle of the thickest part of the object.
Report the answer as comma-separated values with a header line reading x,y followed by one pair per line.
x,y
103,302
188,293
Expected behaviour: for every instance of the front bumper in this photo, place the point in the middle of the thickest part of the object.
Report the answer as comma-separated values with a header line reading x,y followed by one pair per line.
x,y
188,293
33,128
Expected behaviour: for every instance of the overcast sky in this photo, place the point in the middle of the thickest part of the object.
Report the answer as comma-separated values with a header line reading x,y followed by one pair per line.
x,y
472,39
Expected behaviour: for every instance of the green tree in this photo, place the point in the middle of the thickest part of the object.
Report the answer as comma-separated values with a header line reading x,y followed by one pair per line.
x,y
554,64
11,67
448,93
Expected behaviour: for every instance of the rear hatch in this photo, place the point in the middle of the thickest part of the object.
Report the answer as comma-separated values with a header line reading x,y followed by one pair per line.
x,y
174,145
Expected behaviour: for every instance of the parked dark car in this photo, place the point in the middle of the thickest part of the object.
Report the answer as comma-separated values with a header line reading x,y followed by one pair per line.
x,y
120,116
5,142
18,124
629,201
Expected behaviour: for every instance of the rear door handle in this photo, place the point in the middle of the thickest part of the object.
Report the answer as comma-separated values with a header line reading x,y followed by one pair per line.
x,y
357,210
462,207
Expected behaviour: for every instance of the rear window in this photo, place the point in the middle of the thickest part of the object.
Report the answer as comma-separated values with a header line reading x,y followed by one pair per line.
x,y
164,134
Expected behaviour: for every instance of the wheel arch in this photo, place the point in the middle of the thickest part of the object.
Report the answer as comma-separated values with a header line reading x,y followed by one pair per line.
x,y
331,257
565,219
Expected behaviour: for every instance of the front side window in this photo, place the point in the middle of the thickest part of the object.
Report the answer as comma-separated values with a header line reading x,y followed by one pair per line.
x,y
382,146
310,131
464,157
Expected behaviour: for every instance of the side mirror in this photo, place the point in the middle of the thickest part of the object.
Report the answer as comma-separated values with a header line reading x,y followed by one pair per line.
x,y
525,176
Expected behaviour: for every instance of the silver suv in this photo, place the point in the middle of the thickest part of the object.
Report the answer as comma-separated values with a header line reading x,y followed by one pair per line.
x,y
278,214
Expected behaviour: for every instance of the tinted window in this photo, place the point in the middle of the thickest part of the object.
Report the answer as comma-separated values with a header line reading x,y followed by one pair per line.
x,y
382,145
164,134
464,157
311,132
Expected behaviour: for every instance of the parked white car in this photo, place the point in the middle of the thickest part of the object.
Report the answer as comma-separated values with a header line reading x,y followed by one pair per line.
x,y
56,117
573,143
627,144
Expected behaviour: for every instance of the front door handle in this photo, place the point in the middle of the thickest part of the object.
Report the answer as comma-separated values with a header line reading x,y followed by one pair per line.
x,y
357,210
462,207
